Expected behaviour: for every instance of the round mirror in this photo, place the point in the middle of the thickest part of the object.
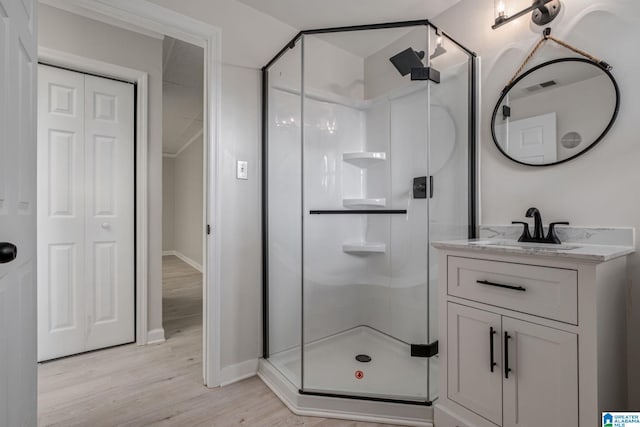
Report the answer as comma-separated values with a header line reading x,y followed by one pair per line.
x,y
555,111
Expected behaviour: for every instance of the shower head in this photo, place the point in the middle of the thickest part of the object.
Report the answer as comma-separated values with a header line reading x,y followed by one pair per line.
x,y
407,59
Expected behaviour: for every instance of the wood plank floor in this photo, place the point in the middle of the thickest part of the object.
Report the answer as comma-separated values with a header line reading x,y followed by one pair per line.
x,y
161,384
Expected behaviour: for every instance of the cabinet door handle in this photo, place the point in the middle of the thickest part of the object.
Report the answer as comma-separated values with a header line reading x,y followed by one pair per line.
x,y
499,285
507,337
492,332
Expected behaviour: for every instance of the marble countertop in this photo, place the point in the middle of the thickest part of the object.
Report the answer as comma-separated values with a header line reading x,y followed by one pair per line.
x,y
575,251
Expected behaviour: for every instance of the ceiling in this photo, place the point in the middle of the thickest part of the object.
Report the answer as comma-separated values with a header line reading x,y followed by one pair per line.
x,y
182,103
366,43
314,14
563,74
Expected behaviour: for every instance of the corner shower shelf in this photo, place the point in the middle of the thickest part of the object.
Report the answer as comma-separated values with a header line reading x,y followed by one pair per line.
x,y
365,203
364,248
364,159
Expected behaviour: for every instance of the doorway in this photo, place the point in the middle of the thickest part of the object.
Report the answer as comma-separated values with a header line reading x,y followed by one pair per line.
x,y
158,361
141,62
183,215
20,85
86,218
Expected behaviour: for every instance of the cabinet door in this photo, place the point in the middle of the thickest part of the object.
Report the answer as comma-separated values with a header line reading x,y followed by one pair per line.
x,y
542,386
471,382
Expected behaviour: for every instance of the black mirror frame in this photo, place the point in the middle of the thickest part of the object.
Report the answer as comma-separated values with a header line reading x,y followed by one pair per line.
x,y
506,90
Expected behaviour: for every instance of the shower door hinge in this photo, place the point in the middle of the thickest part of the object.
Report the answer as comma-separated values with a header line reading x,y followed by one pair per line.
x,y
425,73
208,229
424,350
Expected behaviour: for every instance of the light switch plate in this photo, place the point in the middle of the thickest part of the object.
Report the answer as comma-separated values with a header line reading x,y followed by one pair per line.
x,y
242,169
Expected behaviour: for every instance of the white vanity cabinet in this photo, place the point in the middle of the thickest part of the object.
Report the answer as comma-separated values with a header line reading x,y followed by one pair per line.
x,y
541,365
535,339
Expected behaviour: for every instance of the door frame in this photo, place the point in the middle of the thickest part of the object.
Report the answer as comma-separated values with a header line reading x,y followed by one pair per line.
x,y
150,19
82,64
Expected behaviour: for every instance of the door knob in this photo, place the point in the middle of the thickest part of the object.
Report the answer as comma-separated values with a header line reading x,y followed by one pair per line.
x,y
105,225
8,252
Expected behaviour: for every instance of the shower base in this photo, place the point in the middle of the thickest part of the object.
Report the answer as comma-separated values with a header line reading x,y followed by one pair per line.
x,y
331,367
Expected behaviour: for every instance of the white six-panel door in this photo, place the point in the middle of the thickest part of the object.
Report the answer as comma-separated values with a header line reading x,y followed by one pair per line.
x,y
109,212
60,212
534,140
85,213
18,58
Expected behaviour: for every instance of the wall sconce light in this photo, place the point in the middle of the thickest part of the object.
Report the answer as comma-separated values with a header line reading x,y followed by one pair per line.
x,y
544,11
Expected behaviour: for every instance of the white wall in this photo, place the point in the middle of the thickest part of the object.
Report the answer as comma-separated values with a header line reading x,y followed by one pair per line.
x,y
188,233
84,37
241,264
182,202
249,40
168,166
601,187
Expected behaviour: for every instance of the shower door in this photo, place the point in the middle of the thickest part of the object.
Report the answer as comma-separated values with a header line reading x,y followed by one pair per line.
x,y
451,163
365,210
364,167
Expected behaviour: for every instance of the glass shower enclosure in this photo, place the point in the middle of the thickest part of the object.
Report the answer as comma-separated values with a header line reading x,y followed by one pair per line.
x,y
368,156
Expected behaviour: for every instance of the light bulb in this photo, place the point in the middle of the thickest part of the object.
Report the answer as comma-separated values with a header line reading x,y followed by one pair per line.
x,y
501,12
439,41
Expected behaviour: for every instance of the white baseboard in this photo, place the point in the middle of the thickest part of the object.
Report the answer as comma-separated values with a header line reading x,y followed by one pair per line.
x,y
184,258
238,372
155,336
189,261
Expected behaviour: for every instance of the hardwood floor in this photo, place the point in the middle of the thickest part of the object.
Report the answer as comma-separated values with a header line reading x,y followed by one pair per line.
x,y
161,384
181,299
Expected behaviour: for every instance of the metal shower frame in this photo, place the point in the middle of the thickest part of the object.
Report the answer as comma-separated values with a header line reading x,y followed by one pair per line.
x,y
472,168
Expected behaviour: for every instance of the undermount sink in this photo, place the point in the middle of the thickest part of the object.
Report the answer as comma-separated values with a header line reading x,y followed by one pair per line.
x,y
522,245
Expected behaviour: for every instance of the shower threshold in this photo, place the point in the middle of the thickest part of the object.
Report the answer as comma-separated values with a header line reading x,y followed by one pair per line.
x,y
364,389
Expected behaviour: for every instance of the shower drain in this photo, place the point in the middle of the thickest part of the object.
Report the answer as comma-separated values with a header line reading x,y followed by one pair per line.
x,y
364,358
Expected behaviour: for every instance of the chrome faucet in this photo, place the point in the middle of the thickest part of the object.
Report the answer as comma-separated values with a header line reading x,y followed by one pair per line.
x,y
538,231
